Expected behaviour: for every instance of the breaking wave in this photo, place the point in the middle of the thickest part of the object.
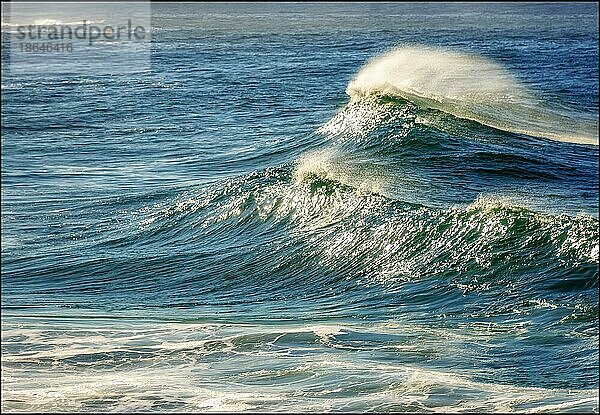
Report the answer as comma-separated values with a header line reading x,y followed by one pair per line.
x,y
472,87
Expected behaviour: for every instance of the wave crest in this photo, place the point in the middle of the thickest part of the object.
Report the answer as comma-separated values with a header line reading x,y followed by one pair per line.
x,y
472,87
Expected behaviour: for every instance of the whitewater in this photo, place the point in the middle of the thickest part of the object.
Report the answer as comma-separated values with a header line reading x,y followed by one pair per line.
x,y
471,87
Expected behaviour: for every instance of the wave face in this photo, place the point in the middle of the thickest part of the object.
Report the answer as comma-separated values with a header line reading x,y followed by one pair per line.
x,y
219,241
472,87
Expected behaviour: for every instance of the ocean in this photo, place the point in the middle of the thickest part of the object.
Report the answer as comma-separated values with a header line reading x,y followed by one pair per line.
x,y
307,207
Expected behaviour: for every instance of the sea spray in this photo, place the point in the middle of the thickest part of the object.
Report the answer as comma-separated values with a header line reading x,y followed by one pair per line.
x,y
472,87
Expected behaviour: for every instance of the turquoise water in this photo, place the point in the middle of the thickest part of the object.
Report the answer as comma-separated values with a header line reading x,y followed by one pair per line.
x,y
273,218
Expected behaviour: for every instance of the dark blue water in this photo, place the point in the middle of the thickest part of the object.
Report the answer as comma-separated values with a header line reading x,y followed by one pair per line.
x,y
229,230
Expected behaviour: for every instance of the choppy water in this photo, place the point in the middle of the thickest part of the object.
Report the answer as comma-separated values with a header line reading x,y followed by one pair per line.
x,y
232,231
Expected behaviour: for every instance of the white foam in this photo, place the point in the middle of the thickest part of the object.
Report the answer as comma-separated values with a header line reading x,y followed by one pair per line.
x,y
472,87
280,379
333,165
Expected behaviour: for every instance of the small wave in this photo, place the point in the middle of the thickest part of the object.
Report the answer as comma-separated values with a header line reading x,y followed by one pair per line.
x,y
332,165
51,22
399,239
471,87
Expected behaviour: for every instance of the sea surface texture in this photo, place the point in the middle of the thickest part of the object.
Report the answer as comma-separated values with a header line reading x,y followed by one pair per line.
x,y
309,207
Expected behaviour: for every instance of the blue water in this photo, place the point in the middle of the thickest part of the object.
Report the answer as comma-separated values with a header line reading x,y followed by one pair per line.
x,y
230,230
